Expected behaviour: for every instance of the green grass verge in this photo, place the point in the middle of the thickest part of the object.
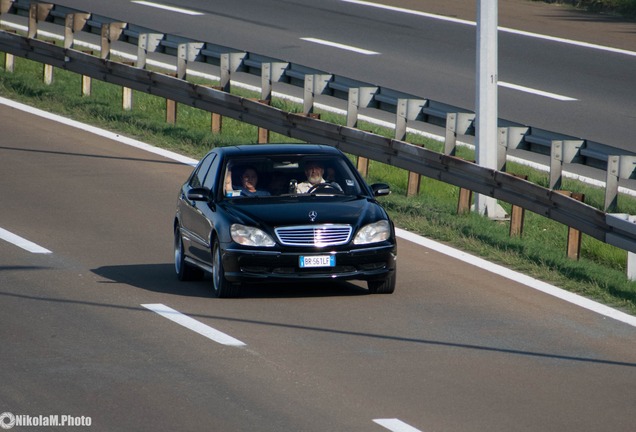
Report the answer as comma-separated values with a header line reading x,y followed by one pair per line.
x,y
599,274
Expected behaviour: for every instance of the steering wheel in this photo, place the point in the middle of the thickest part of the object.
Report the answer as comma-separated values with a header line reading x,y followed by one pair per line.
x,y
327,185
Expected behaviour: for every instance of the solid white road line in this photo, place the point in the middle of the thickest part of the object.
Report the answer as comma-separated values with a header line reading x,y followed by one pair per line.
x,y
395,425
22,242
194,325
535,91
340,46
168,8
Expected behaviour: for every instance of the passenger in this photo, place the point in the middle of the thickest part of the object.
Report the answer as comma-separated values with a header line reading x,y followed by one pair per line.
x,y
314,172
249,180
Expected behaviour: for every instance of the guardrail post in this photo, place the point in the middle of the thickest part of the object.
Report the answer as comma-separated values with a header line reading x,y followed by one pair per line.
x,y
73,23
611,183
147,42
363,166
631,266
406,110
359,97
230,62
37,12
262,134
314,84
9,62
270,72
48,74
457,124
517,216
623,235
186,53
464,201
574,236
562,152
618,167
40,12
110,32
5,6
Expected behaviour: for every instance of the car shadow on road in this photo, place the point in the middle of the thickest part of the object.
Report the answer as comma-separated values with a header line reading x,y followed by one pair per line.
x,y
161,278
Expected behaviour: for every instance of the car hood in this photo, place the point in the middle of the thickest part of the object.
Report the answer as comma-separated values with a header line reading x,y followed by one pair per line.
x,y
261,212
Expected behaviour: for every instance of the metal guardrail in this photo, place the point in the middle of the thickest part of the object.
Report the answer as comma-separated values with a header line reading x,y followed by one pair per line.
x,y
612,229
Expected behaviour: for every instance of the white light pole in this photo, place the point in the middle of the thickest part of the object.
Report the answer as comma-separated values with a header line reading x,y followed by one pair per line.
x,y
486,101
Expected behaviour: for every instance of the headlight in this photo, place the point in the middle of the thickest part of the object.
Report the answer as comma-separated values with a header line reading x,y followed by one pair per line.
x,y
250,236
373,233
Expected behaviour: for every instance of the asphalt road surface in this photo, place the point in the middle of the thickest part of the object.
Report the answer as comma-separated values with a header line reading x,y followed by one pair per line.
x,y
88,329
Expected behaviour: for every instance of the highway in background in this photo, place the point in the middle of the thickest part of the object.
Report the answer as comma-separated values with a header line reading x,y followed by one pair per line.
x,y
428,49
87,322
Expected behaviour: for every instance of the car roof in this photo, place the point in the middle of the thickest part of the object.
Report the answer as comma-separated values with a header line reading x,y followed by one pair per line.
x,y
277,149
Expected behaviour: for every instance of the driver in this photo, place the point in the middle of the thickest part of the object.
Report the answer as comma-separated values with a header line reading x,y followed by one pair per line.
x,y
314,172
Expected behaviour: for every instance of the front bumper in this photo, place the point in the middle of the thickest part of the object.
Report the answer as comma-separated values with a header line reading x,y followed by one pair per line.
x,y
360,264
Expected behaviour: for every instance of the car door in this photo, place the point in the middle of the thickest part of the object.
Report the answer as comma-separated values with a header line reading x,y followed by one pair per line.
x,y
194,221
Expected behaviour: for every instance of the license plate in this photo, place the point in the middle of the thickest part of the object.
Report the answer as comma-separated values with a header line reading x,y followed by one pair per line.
x,y
317,261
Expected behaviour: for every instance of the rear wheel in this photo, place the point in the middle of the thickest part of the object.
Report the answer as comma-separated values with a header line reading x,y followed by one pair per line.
x,y
185,271
221,287
383,286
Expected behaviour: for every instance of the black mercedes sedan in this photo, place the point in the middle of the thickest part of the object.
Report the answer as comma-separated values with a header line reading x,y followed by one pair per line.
x,y
282,212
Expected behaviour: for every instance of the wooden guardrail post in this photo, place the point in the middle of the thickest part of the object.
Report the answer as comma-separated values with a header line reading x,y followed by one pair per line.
x,y
262,134
363,166
9,59
406,110
9,62
464,201
216,120
573,249
40,12
47,74
574,235
517,216
73,23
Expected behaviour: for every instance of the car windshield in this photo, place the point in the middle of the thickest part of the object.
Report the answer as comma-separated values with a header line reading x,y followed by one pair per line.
x,y
300,175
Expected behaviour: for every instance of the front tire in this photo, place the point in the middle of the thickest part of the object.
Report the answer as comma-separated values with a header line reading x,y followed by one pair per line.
x,y
185,271
221,287
383,286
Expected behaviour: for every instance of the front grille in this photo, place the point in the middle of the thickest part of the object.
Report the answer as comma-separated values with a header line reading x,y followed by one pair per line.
x,y
314,235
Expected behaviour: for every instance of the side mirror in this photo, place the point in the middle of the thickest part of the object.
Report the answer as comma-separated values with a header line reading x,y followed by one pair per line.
x,y
199,194
380,189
